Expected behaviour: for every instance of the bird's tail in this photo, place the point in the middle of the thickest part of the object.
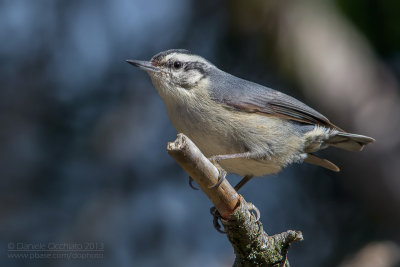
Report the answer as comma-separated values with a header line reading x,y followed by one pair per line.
x,y
346,141
312,159
349,141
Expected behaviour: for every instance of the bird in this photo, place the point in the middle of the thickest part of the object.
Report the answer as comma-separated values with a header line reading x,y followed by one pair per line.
x,y
241,126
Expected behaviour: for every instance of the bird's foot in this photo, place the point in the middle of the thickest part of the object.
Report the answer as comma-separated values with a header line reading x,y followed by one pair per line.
x,y
256,213
221,173
216,217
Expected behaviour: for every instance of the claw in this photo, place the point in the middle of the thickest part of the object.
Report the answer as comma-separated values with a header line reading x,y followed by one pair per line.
x,y
260,228
216,216
191,183
221,178
251,207
221,175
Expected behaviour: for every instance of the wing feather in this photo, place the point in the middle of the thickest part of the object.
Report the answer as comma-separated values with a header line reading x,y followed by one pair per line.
x,y
247,96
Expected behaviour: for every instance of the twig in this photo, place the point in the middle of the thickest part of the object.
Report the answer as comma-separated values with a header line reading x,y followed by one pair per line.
x,y
252,245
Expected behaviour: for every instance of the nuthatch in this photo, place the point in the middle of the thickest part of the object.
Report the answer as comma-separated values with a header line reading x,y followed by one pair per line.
x,y
246,128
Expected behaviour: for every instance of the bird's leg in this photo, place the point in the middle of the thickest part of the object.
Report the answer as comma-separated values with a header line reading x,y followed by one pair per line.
x,y
222,173
243,182
217,158
246,155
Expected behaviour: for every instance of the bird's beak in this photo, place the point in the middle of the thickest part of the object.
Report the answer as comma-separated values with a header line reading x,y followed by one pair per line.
x,y
144,65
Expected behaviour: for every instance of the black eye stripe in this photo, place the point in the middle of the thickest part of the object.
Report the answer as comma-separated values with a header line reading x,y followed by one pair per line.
x,y
195,66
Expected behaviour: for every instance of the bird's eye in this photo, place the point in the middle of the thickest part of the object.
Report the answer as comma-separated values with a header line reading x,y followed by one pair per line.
x,y
177,64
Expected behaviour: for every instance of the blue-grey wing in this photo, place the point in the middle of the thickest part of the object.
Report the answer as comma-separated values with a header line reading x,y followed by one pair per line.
x,y
247,96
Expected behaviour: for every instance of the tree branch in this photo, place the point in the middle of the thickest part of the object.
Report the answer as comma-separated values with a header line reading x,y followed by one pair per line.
x,y
251,243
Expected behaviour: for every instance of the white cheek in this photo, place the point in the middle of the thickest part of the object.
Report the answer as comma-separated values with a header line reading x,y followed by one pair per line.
x,y
193,77
168,91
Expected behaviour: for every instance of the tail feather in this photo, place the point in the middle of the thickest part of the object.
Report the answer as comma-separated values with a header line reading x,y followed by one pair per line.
x,y
321,162
320,138
348,141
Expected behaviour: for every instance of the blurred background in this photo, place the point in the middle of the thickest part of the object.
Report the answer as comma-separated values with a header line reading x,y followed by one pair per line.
x,y
83,134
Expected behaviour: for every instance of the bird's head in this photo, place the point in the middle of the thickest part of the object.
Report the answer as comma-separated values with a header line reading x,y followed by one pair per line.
x,y
176,71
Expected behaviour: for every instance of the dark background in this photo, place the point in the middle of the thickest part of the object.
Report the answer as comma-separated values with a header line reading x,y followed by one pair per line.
x,y
83,134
